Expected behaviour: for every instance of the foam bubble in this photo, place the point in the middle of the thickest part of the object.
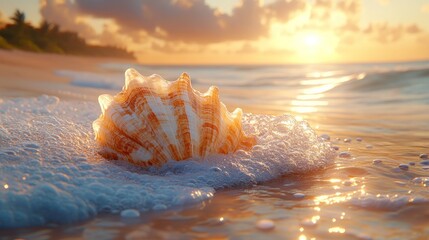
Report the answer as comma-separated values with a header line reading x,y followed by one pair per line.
x,y
54,175
130,213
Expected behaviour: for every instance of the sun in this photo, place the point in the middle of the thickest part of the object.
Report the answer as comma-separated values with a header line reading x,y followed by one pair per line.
x,y
312,40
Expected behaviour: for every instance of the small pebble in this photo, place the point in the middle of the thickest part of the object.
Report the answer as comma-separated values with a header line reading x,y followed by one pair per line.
x,y
377,161
359,139
412,163
369,146
265,224
424,162
347,140
344,155
325,137
130,213
403,166
417,180
423,156
299,195
336,148
425,167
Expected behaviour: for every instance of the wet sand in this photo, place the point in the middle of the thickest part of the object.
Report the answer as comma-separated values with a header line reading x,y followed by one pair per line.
x,y
27,74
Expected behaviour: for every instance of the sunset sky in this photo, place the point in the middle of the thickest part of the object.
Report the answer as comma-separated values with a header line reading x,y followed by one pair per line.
x,y
243,32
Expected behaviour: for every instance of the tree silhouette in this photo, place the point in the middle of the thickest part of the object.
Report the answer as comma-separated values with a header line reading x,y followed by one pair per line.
x,y
45,27
18,18
50,38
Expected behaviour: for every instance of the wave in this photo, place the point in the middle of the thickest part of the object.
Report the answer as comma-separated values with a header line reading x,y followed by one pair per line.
x,y
93,80
54,175
411,81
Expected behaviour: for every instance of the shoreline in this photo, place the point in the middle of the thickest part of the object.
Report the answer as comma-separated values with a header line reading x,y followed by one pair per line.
x,y
28,74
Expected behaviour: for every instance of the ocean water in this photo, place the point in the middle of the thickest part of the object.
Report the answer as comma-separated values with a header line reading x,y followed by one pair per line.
x,y
340,155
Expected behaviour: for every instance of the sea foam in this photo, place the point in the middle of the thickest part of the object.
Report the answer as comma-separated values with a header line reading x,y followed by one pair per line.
x,y
50,172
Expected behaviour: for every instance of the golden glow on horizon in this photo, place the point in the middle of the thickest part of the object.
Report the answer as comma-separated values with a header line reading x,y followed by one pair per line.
x,y
314,32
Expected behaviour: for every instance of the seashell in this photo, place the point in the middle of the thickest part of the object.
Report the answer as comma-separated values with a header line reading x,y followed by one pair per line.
x,y
152,121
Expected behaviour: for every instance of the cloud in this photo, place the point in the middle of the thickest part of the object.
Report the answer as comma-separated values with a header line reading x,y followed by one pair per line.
x,y
344,18
191,21
110,36
283,10
65,14
169,47
341,16
350,6
157,28
385,33
247,48
350,26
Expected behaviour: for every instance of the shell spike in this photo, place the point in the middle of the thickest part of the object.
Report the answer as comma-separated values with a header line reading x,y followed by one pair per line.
x,y
185,80
213,92
184,75
105,101
237,114
96,127
131,75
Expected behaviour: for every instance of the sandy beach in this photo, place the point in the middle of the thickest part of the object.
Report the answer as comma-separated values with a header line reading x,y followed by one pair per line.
x,y
24,74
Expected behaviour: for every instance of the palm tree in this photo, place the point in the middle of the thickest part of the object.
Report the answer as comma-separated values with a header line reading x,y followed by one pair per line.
x,y
18,17
45,27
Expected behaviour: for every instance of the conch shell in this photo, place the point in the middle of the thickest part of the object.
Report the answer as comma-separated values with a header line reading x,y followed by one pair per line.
x,y
152,121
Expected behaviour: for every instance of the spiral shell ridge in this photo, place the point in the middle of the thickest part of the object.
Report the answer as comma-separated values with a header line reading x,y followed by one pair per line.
x,y
152,121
